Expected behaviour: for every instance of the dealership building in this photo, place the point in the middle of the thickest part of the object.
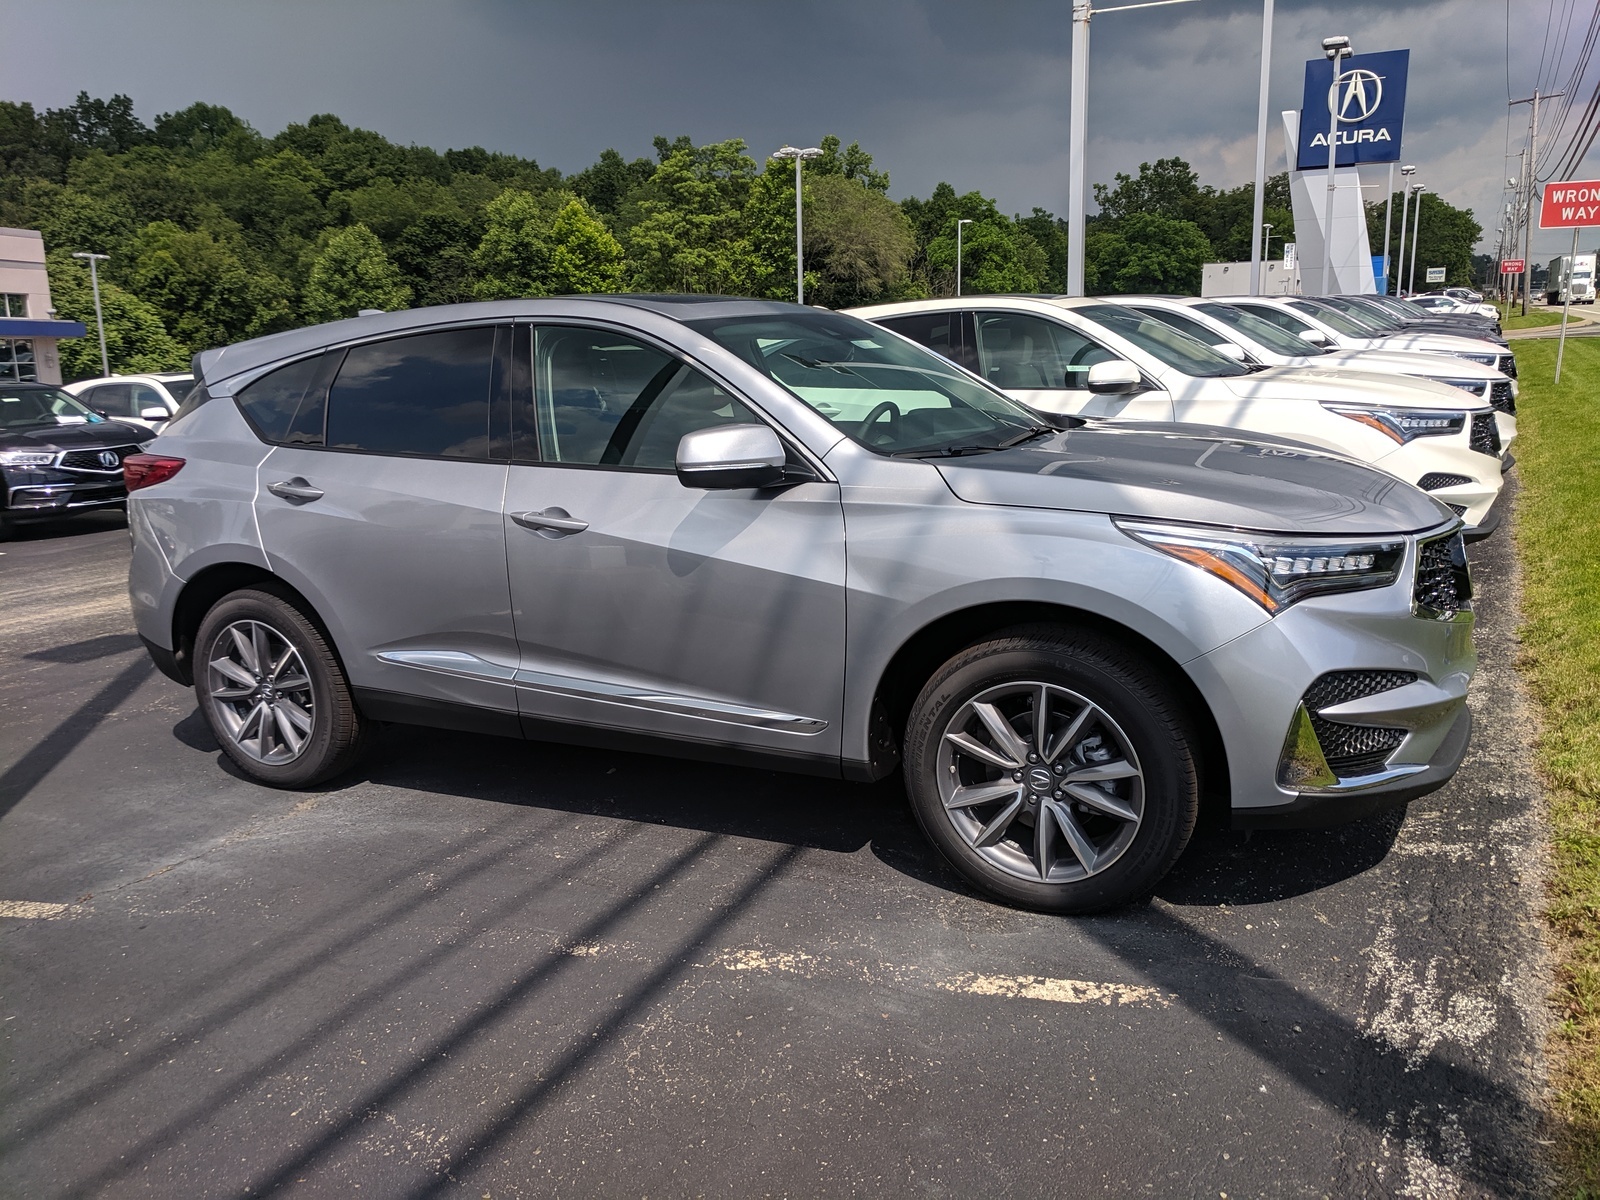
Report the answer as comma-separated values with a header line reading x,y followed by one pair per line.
x,y
28,328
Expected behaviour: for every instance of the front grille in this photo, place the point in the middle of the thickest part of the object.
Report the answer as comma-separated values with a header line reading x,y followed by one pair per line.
x,y
1507,365
1500,396
1460,510
1443,586
1485,436
89,460
1435,480
1354,750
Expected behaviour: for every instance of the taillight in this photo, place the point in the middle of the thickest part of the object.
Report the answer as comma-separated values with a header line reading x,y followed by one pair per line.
x,y
142,470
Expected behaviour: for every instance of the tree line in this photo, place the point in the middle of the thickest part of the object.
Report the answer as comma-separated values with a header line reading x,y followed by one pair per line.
x,y
217,232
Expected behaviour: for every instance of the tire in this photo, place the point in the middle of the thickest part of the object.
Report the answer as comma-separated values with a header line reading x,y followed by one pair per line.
x,y
256,715
1118,760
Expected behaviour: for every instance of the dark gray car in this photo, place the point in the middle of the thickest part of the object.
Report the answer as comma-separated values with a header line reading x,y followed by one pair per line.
x,y
752,531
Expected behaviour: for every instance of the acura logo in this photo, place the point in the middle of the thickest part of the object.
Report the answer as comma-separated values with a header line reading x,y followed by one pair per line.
x,y
108,458
1355,95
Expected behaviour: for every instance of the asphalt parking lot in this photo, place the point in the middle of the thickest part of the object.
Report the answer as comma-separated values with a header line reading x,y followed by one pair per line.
x,y
493,968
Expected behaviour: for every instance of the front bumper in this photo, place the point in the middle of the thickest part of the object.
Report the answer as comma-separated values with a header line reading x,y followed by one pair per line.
x,y
1475,478
44,499
1341,704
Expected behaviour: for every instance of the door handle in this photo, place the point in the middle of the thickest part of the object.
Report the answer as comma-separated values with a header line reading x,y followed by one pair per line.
x,y
295,490
552,522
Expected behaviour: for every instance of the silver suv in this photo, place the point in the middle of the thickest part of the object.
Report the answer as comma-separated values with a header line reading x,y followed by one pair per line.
x,y
742,530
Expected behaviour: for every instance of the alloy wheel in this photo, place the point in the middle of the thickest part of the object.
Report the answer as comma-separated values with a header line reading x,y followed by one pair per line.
x,y
261,692
1041,782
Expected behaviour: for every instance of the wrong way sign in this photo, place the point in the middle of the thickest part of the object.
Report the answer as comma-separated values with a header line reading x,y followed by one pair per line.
x,y
1511,266
1570,205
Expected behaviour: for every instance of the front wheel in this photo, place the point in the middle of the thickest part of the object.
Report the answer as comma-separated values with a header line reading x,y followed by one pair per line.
x,y
274,692
1053,769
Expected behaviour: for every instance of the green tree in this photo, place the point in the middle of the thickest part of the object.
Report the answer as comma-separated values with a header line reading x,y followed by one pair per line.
x,y
136,340
1167,188
435,259
607,184
853,164
1444,236
1147,253
996,254
513,259
858,243
693,233
351,272
207,288
584,257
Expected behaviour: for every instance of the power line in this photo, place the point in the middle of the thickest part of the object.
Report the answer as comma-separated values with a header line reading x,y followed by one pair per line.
x,y
1557,150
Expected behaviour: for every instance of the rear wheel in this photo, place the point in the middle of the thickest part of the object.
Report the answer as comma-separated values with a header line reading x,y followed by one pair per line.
x,y
273,691
1053,769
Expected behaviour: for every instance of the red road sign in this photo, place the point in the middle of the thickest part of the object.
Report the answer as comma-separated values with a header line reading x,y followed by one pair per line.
x,y
1511,266
1570,205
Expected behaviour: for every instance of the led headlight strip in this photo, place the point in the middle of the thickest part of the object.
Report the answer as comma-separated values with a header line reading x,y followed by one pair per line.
x,y
27,458
1403,424
1276,571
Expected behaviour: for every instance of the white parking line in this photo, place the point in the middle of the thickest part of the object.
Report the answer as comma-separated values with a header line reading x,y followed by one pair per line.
x,y
31,910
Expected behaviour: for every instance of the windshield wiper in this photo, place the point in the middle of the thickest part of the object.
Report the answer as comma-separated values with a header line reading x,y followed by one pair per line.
x,y
1027,434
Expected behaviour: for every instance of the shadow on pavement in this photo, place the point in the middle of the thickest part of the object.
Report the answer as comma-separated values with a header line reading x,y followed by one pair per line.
x,y
74,526
89,650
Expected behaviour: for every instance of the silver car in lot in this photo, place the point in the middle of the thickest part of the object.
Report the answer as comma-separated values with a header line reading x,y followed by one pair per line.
x,y
750,531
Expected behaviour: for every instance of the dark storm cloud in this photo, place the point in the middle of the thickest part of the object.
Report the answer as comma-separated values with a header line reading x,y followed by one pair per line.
x,y
973,93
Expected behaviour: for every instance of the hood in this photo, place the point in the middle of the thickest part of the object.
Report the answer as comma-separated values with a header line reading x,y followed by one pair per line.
x,y
1403,362
1337,386
1462,342
1184,473
72,437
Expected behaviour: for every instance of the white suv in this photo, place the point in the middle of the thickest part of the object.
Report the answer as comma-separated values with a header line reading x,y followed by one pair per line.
x,y
148,401
1094,358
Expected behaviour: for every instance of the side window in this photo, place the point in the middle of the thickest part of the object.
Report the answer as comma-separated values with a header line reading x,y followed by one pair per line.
x,y
271,403
1201,333
425,394
1021,351
940,332
112,399
145,396
1276,316
602,399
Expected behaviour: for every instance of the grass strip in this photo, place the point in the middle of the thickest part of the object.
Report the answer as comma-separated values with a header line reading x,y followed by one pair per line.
x,y
1534,320
1558,538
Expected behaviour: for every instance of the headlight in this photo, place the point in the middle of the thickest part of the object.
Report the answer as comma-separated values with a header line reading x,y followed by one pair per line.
x,y
27,458
1277,571
1403,424
1487,360
1475,386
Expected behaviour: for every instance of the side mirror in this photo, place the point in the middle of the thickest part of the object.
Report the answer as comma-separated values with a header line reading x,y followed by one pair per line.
x,y
1116,377
154,412
1314,336
1231,350
731,456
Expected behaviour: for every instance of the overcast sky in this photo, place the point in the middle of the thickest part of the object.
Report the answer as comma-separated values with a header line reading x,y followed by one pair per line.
x,y
975,93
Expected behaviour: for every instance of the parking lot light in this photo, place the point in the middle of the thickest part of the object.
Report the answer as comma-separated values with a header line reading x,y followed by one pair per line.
x,y
100,321
959,224
1336,49
799,157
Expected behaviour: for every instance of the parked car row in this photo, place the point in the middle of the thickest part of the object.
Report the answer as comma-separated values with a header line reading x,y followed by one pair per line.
x,y
1053,560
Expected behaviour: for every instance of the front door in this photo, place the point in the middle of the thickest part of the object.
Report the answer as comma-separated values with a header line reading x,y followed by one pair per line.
x,y
712,616
1045,364
382,501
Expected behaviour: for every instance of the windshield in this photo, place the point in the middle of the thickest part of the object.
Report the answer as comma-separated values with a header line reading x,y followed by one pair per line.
x,y
24,407
179,388
1253,327
1160,340
881,391
1329,315
1357,307
1398,309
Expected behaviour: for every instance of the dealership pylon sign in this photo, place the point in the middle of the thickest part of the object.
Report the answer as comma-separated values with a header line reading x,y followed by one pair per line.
x,y
1571,205
1369,100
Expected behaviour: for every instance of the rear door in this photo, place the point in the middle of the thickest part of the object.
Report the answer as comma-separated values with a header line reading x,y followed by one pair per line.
x,y
1045,364
708,616
382,501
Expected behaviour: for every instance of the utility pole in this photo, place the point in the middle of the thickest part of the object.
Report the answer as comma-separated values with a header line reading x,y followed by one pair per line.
x,y
1078,133
1406,172
799,157
99,320
1529,165
1261,149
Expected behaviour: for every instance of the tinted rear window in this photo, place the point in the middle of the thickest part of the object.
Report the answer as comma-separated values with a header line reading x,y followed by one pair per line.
x,y
427,394
270,403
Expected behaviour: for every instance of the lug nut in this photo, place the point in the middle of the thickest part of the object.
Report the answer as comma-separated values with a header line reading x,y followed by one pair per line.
x,y
1060,769
1033,758
1016,776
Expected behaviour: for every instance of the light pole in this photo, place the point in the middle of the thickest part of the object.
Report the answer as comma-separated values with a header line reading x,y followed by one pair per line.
x,y
799,157
1261,147
1406,173
1416,236
1336,49
1266,254
959,224
1388,212
94,282
1078,132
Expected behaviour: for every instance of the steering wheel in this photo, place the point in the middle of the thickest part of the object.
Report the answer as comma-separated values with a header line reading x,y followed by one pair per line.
x,y
883,407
